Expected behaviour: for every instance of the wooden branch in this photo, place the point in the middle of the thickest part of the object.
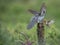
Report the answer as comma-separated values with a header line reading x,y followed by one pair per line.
x,y
40,34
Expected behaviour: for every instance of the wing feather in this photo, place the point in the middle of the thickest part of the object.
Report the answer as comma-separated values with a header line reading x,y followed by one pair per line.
x,y
32,22
33,12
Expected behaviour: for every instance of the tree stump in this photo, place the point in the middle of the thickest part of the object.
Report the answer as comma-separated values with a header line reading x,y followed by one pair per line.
x,y
40,34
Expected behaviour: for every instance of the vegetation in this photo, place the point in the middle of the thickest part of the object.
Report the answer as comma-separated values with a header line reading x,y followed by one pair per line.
x,y
14,17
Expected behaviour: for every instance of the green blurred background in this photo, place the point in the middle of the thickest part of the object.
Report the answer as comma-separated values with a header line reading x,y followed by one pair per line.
x,y
14,17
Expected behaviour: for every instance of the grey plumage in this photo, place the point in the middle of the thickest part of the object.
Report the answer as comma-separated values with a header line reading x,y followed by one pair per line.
x,y
32,22
33,12
38,16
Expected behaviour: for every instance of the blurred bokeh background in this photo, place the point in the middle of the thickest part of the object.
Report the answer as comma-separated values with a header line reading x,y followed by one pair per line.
x,y
14,17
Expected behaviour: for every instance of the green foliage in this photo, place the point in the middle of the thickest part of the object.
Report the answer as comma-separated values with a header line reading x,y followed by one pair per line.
x,y
14,17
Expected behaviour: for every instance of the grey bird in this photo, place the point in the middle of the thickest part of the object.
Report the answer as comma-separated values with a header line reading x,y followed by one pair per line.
x,y
38,16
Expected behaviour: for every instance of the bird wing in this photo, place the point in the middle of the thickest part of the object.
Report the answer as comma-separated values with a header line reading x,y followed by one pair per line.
x,y
32,22
43,9
33,12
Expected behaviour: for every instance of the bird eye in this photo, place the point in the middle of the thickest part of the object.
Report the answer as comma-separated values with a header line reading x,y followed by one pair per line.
x,y
43,11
